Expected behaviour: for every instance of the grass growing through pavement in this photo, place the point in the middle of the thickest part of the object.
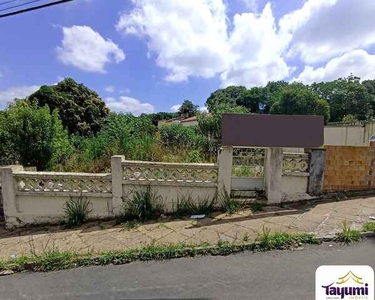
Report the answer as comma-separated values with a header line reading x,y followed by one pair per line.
x,y
54,259
368,226
348,235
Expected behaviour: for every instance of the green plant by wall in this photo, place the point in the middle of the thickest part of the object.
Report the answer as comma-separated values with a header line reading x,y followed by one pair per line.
x,y
230,206
186,205
76,210
143,204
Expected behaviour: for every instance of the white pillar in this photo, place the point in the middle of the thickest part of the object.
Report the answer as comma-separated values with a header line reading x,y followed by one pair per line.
x,y
225,168
273,175
9,196
117,177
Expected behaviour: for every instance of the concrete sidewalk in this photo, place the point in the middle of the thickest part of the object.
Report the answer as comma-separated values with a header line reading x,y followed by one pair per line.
x,y
321,218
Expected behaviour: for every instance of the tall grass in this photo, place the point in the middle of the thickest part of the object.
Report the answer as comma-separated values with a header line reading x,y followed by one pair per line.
x,y
143,204
186,205
76,210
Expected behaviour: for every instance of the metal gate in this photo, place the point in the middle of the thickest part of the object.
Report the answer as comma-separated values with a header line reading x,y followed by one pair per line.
x,y
248,169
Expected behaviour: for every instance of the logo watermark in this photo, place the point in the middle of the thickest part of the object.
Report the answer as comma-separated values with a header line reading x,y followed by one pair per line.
x,y
344,282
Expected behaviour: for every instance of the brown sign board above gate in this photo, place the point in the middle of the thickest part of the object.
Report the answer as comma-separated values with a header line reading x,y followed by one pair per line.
x,y
254,130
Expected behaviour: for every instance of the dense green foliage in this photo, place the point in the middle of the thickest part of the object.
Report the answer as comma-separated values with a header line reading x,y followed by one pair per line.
x,y
67,127
32,136
81,110
296,101
344,96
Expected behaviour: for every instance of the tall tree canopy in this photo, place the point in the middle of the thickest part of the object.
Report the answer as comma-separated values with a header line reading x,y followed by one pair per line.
x,y
300,101
81,110
188,109
230,95
345,96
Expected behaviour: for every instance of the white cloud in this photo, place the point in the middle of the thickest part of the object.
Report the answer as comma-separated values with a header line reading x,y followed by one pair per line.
x,y
357,62
256,51
175,108
129,105
10,94
192,38
198,39
323,29
125,91
251,4
109,89
189,37
85,49
203,109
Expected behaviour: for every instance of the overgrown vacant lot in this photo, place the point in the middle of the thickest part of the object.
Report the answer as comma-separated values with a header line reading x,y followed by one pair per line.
x,y
68,127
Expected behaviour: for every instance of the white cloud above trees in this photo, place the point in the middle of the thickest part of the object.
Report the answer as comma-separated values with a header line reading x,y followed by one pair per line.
x,y
198,39
8,95
357,62
87,50
175,108
129,105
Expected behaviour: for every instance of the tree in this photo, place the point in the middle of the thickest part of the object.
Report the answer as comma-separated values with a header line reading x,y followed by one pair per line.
x,y
370,87
345,96
255,99
230,96
300,101
209,125
33,136
81,110
188,109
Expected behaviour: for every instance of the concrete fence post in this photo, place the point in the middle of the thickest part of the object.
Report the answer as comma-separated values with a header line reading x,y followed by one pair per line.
x,y
273,175
9,196
316,169
117,177
225,168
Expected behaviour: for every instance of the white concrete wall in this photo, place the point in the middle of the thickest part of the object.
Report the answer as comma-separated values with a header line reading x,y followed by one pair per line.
x,y
170,193
45,208
344,135
169,180
190,123
40,197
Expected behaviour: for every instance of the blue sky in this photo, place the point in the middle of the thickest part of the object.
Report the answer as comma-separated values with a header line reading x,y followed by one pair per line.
x,y
150,55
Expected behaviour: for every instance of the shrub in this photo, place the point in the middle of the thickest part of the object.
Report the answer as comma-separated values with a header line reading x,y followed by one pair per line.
x,y
76,210
144,204
178,135
33,136
187,206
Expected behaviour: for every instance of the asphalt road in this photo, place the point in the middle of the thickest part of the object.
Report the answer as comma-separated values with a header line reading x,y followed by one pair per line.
x,y
271,275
